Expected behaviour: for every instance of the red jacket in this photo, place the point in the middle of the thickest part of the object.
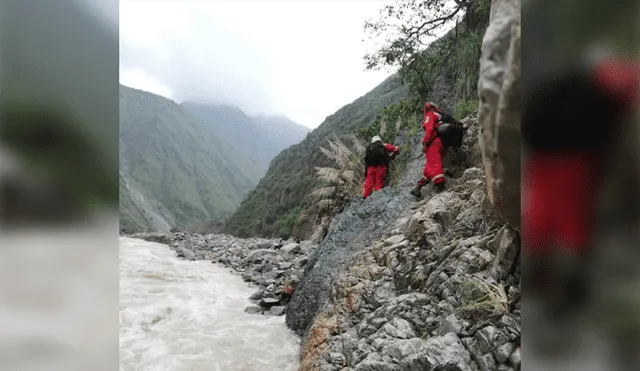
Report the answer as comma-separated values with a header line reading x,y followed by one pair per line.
x,y
429,125
391,148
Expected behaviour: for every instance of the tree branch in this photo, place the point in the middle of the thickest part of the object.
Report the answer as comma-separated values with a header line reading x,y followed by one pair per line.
x,y
415,31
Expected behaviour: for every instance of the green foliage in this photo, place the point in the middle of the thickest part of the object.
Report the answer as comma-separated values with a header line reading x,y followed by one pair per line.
x,y
465,107
465,62
395,118
405,47
391,118
482,7
285,224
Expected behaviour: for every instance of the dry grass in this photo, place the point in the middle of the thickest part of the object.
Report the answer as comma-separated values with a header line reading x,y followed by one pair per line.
x,y
345,179
337,184
493,297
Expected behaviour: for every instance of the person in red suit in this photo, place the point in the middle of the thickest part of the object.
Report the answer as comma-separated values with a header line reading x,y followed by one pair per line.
x,y
433,150
568,127
376,161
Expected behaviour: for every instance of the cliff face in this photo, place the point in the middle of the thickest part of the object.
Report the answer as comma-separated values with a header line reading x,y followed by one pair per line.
x,y
399,284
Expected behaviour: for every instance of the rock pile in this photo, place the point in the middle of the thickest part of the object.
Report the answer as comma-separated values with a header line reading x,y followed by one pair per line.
x,y
399,284
276,267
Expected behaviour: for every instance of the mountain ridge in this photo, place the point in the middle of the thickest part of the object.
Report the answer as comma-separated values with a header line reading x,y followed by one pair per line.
x,y
260,138
175,171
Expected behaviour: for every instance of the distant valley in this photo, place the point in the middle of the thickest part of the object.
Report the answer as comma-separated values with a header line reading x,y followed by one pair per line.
x,y
182,165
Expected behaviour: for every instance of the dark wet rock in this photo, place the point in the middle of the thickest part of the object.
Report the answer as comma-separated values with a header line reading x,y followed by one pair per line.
x,y
292,248
278,310
256,296
269,302
301,262
253,309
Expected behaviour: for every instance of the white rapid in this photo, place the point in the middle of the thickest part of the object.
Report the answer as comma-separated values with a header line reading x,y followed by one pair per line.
x,y
179,315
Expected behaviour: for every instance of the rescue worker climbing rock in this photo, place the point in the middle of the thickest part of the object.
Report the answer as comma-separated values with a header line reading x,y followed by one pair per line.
x,y
433,149
376,160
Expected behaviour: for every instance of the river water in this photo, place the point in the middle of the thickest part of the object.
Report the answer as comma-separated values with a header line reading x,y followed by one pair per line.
x,y
181,315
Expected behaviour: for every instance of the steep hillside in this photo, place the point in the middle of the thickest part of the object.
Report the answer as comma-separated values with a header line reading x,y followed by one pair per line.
x,y
274,207
277,199
259,139
173,171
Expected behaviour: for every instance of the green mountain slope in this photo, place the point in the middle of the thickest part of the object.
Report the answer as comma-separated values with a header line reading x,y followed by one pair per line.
x,y
259,139
174,172
291,177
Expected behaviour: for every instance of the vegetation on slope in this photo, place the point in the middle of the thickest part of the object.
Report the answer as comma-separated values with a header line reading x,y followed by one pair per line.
x,y
173,170
278,198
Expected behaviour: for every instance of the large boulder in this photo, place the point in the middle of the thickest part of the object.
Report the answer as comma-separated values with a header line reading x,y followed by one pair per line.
x,y
499,113
352,231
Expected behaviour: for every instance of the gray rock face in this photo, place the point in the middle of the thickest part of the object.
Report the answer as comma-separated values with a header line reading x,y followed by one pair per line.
x,y
253,309
292,248
410,281
500,107
278,310
349,232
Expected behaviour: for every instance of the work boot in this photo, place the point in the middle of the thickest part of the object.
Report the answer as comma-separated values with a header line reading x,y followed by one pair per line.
x,y
416,191
439,187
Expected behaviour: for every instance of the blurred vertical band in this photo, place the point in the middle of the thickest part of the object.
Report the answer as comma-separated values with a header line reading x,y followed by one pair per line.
x,y
59,185
581,185
59,115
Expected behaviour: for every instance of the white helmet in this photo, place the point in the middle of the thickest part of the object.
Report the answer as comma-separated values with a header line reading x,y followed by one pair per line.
x,y
376,139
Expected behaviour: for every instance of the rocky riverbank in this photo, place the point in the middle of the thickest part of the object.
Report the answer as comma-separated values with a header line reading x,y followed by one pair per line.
x,y
438,291
275,267
404,284
397,284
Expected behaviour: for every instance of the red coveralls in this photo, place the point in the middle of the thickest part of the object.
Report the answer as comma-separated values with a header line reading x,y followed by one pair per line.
x,y
377,174
559,187
434,152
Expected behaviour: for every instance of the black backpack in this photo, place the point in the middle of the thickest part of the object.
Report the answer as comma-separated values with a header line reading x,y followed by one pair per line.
x,y
450,131
376,154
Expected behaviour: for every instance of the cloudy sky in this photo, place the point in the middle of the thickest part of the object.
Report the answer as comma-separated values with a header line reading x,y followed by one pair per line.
x,y
299,58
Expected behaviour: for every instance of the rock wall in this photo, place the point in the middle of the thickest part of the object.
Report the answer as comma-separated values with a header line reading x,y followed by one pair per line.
x,y
400,284
500,106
